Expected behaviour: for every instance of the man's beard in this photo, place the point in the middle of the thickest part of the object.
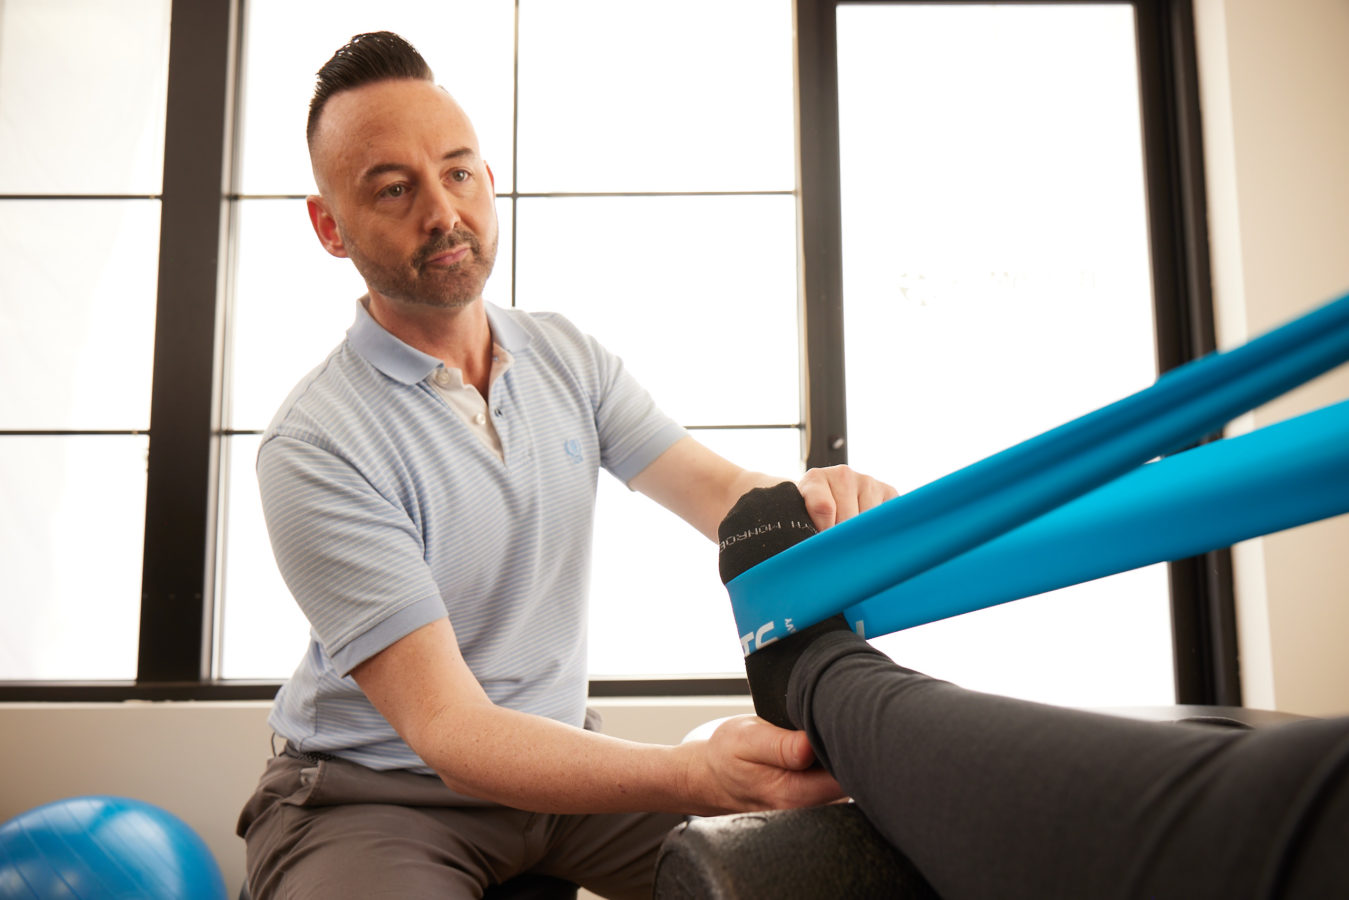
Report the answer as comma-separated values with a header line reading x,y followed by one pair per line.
x,y
446,287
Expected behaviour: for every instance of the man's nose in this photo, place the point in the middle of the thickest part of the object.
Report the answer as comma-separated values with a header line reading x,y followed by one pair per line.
x,y
441,212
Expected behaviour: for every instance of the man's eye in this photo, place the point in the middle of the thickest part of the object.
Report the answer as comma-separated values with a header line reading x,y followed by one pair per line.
x,y
394,190
459,175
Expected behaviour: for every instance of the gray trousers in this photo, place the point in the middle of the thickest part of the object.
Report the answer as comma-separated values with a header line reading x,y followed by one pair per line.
x,y
994,797
332,829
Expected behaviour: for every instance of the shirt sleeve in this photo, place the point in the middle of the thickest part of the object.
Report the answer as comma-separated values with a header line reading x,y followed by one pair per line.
x,y
632,429
352,558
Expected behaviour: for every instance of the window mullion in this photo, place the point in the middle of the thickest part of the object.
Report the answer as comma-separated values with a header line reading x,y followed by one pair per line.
x,y
1203,604
180,490
820,234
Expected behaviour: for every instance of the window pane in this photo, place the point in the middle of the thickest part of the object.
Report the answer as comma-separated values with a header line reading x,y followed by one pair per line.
x,y
467,43
697,294
677,96
77,321
70,550
263,632
1101,644
997,284
82,96
293,303
657,605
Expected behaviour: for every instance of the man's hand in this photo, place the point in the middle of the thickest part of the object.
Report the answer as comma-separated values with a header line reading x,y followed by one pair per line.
x,y
748,764
836,493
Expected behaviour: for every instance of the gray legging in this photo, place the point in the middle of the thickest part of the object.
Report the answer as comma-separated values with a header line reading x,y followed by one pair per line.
x,y
994,797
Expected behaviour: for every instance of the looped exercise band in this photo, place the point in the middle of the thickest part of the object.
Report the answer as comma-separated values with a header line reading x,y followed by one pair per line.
x,y
1079,501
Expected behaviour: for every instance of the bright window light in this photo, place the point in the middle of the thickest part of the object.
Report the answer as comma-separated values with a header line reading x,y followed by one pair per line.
x,y
996,280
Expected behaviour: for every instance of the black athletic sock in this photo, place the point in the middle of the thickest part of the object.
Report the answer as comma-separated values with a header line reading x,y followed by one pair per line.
x,y
762,523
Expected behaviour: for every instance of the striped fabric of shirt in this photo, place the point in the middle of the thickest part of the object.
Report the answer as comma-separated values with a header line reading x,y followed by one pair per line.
x,y
387,513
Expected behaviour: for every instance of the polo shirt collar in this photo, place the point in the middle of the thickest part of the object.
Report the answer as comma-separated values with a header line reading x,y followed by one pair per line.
x,y
505,330
405,363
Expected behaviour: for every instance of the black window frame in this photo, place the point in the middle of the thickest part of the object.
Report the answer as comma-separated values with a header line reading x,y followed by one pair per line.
x,y
178,609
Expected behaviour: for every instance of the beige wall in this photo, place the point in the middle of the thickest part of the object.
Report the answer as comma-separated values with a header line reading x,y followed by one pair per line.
x,y
200,761
197,760
1275,99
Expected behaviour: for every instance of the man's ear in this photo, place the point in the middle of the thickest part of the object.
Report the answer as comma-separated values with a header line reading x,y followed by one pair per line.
x,y
490,177
325,226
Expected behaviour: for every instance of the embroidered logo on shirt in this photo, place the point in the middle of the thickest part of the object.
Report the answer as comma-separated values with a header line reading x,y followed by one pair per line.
x,y
573,448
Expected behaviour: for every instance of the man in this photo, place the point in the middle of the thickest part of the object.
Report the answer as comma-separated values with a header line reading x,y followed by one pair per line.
x,y
429,492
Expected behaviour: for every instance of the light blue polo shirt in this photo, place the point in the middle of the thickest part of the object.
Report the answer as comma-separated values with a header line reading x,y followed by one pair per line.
x,y
387,513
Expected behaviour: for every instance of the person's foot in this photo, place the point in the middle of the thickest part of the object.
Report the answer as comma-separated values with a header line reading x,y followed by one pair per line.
x,y
763,523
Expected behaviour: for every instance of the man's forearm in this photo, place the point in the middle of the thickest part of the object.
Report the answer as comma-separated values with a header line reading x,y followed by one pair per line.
x,y
696,484
530,762
426,691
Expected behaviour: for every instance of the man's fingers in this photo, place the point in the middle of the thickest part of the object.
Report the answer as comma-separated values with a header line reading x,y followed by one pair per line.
x,y
763,743
806,784
847,493
794,750
819,501
818,490
877,492
838,493
816,787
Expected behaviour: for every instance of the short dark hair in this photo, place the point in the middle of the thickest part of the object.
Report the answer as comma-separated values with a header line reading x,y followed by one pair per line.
x,y
365,59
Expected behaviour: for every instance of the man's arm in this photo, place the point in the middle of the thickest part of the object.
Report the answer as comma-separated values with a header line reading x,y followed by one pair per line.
x,y
423,687
701,487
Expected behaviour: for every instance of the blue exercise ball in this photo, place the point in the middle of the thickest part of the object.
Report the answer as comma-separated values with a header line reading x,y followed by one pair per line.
x,y
116,848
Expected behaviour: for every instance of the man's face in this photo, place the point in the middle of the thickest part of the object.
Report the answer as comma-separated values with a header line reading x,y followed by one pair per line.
x,y
405,193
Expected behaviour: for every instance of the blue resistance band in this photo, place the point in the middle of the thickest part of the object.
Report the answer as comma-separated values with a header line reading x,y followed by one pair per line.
x,y
846,566
1279,477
